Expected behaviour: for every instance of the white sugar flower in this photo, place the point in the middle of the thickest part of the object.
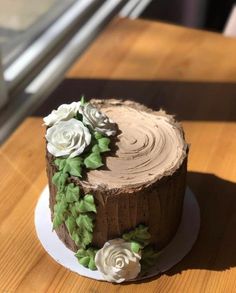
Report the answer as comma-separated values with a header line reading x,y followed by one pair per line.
x,y
63,113
97,120
117,262
67,138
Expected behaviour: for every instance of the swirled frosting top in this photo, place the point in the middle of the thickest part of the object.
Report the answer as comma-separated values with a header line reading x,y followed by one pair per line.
x,y
148,147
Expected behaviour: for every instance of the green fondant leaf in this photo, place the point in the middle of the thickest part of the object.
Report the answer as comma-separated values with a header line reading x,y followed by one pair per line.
x,y
59,196
96,149
82,237
70,224
75,237
135,247
57,220
97,135
85,222
87,238
59,179
82,100
61,207
81,253
140,235
93,161
84,261
149,258
73,210
72,193
84,254
60,210
73,166
103,144
92,265
86,204
60,163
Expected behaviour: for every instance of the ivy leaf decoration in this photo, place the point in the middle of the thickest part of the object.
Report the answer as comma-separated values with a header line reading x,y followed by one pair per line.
x,y
59,179
73,166
86,257
84,261
86,204
59,196
57,221
86,238
103,144
75,237
73,210
60,163
61,207
72,193
93,161
82,237
70,224
135,247
82,100
149,258
85,222
59,213
92,265
140,235
96,149
97,135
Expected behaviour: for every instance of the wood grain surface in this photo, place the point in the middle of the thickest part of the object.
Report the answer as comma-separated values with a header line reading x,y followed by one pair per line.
x,y
152,60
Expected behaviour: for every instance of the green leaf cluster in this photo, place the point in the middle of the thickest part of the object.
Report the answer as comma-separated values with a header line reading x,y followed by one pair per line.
x,y
86,204
82,229
60,211
59,179
71,166
99,145
139,237
149,258
66,195
72,208
86,257
92,159
77,213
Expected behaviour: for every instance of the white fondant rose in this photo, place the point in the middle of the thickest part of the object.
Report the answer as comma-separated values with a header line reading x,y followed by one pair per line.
x,y
117,262
63,113
97,120
67,138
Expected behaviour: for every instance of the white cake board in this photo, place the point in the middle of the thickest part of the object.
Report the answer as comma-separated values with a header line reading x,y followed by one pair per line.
x,y
173,253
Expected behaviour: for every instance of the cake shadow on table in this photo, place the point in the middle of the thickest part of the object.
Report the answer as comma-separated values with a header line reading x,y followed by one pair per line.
x,y
215,247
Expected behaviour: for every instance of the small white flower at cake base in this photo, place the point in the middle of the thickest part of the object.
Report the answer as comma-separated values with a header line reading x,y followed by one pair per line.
x,y
96,120
117,262
63,113
67,138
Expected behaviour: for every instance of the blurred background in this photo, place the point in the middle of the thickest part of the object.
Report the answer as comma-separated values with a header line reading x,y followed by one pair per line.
x,y
40,40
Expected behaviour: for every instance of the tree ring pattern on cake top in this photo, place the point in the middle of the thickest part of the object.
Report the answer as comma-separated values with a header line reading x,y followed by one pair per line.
x,y
151,147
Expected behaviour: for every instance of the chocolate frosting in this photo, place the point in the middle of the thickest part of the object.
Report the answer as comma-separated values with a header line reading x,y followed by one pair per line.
x,y
149,146
143,178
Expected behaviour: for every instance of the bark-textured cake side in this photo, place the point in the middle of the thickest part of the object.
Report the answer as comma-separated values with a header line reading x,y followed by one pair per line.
x,y
158,206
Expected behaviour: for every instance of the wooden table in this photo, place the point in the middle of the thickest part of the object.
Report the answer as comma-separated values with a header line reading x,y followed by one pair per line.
x,y
190,73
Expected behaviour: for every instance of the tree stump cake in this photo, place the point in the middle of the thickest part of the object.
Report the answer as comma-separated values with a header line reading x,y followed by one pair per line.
x,y
142,180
